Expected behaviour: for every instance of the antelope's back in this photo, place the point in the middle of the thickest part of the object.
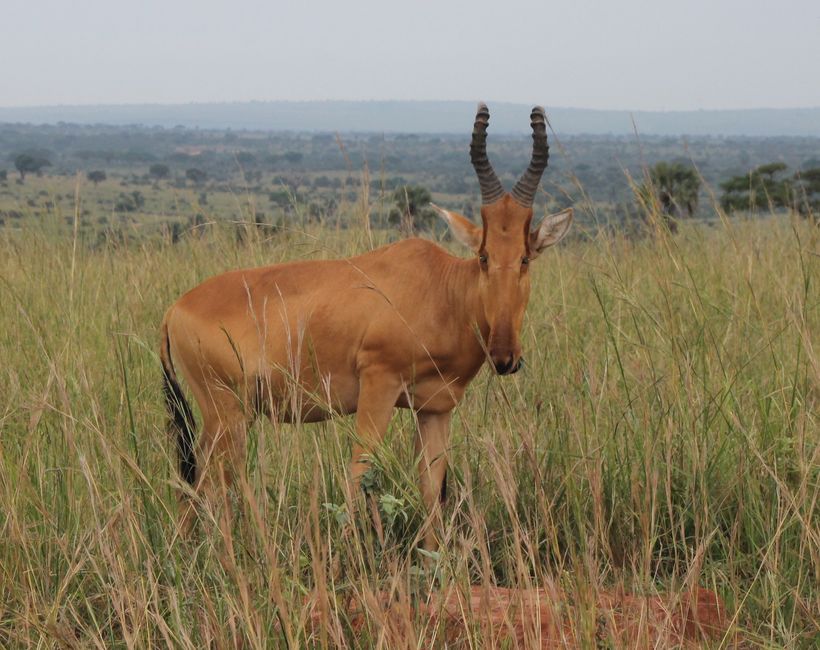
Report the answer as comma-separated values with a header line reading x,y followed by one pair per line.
x,y
310,320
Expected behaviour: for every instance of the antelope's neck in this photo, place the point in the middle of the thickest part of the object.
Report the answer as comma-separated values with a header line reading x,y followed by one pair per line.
x,y
463,299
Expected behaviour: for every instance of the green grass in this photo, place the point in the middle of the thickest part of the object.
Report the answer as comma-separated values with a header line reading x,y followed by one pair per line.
x,y
664,434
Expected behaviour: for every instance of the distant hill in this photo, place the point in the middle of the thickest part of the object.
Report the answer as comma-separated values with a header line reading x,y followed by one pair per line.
x,y
424,117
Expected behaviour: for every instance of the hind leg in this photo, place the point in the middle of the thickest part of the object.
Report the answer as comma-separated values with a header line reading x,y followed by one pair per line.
x,y
220,449
222,445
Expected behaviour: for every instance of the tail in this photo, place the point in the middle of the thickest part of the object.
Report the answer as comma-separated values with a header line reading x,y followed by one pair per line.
x,y
181,416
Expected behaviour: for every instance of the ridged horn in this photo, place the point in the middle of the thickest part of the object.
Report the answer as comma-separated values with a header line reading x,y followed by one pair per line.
x,y
491,188
527,185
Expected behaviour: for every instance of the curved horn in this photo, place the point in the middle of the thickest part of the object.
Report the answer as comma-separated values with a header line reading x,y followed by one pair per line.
x,y
525,188
491,188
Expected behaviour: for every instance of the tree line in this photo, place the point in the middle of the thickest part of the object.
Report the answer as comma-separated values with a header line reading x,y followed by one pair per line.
x,y
668,189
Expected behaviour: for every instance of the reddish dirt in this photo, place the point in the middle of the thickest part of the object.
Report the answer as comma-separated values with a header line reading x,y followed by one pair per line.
x,y
538,618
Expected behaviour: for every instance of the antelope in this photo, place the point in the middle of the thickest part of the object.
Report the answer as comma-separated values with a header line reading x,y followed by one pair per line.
x,y
407,325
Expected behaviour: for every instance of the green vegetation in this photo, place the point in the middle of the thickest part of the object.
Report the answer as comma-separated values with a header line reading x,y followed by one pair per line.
x,y
762,187
196,175
96,176
159,171
674,188
663,434
412,209
295,178
30,163
771,187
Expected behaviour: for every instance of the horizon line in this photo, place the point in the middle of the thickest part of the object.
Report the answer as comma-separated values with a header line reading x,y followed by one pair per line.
x,y
391,101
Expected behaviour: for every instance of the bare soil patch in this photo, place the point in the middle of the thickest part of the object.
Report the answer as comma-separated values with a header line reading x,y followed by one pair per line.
x,y
545,618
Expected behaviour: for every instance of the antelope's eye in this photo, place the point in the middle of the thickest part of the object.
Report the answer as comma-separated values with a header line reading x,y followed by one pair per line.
x,y
525,261
483,259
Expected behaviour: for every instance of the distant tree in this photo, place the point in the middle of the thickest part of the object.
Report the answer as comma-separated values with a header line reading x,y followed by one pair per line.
x,y
674,187
176,232
245,158
253,176
129,202
197,176
412,208
30,163
763,187
291,182
96,176
3,175
124,203
196,224
807,193
159,171
280,198
315,210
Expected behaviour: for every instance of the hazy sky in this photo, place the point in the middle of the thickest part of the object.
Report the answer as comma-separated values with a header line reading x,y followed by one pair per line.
x,y
627,54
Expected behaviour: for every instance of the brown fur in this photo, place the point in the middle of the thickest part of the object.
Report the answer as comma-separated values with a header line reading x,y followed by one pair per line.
x,y
407,325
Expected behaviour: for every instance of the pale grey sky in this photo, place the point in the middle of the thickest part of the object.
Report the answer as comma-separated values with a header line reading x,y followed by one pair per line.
x,y
627,54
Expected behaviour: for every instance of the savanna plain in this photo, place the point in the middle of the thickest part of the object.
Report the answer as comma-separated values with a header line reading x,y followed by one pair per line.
x,y
662,436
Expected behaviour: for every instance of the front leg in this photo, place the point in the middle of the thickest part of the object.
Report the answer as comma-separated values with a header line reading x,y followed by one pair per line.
x,y
431,454
378,392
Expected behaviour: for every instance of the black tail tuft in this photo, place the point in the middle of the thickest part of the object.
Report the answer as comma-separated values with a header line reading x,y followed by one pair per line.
x,y
182,418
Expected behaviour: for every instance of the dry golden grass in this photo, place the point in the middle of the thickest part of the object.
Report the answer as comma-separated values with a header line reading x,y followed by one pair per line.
x,y
663,437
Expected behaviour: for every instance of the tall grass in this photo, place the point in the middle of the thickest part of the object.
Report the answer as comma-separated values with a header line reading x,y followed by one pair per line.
x,y
663,435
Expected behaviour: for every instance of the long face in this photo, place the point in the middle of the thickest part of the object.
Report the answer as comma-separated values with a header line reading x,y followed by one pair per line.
x,y
507,243
504,282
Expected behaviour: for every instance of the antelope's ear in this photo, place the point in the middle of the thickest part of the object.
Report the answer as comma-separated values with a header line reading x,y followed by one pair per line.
x,y
550,231
462,228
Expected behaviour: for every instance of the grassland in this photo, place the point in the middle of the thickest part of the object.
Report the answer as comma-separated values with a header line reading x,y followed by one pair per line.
x,y
663,435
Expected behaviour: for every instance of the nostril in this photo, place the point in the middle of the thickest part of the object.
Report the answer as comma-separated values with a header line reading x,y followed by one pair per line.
x,y
506,367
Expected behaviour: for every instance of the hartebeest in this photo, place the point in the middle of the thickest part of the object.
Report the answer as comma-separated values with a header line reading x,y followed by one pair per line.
x,y
406,325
